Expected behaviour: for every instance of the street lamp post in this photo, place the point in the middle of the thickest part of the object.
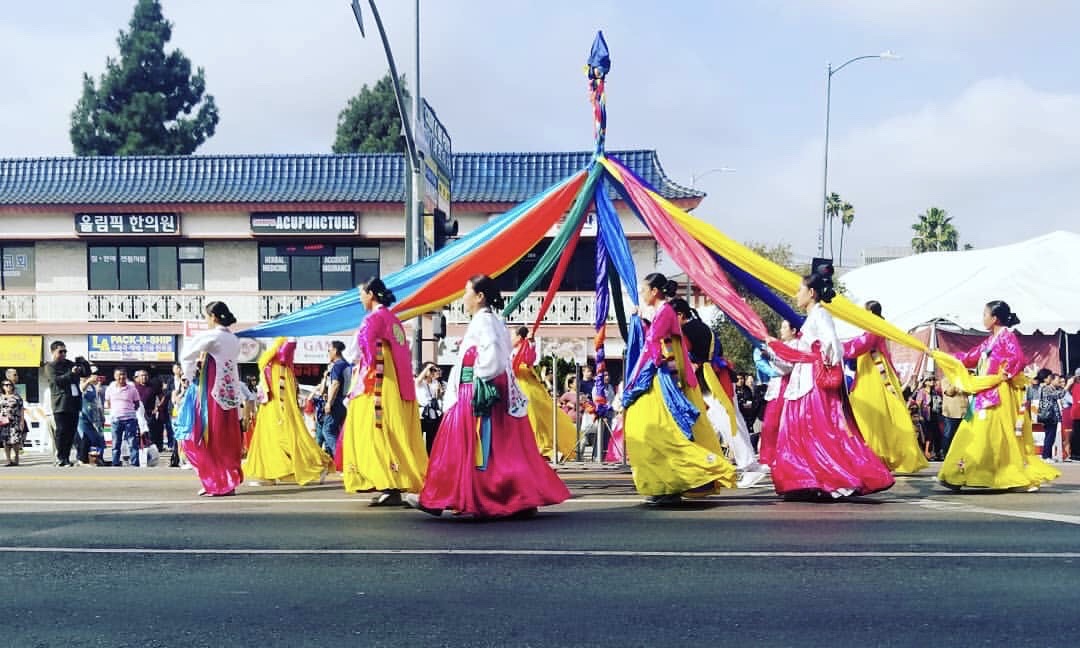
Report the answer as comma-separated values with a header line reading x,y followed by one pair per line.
x,y
409,124
887,55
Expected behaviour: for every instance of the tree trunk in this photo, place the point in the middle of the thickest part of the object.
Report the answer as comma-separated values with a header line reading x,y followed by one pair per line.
x,y
840,259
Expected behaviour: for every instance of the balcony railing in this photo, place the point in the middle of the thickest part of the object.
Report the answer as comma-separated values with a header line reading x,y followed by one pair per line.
x,y
96,306
567,308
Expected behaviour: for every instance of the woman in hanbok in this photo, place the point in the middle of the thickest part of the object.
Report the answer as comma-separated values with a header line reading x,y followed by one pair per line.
x,y
672,448
878,403
778,373
819,450
281,447
993,448
215,444
485,462
721,413
540,403
383,445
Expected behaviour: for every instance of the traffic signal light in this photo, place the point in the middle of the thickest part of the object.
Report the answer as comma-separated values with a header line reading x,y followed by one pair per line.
x,y
438,326
444,229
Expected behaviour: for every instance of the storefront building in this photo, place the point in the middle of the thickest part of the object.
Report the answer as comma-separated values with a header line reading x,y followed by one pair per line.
x,y
113,255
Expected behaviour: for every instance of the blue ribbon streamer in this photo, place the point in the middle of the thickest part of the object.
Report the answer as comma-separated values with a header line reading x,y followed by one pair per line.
x,y
485,441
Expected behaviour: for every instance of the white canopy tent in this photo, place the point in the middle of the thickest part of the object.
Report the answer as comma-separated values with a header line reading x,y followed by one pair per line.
x,y
1039,278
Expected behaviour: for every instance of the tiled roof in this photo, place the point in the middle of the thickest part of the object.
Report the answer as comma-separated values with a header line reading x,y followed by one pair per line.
x,y
217,179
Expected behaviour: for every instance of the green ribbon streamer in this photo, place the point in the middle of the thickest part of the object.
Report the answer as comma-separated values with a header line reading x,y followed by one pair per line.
x,y
558,245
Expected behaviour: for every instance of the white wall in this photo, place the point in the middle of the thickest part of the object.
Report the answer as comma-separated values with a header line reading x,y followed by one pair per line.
x,y
60,265
230,266
391,257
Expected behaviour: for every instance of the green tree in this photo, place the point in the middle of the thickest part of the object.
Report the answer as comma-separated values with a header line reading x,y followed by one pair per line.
x,y
144,101
847,217
370,122
934,232
833,204
737,349
838,209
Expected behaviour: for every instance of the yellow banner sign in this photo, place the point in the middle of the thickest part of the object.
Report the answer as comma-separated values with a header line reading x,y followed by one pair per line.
x,y
20,351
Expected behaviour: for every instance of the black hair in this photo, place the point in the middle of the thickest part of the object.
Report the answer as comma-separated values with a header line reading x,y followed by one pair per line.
x,y
682,307
383,295
874,307
821,282
337,345
1042,375
484,286
57,344
221,313
523,332
667,287
1003,313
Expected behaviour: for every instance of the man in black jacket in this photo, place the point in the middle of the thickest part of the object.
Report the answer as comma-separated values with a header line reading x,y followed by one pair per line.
x,y
66,400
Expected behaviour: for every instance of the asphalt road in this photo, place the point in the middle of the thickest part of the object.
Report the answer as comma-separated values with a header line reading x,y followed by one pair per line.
x,y
126,557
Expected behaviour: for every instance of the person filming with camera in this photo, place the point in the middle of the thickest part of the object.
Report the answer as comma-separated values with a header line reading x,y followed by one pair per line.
x,y
62,376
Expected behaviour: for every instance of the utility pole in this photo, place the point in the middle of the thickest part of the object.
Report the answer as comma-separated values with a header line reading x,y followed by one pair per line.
x,y
417,216
415,187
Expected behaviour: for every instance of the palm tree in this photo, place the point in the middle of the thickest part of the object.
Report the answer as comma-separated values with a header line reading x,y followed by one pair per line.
x,y
833,206
934,232
847,217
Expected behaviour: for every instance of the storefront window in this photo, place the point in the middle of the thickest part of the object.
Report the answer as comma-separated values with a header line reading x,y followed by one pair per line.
x,y
18,269
140,267
316,267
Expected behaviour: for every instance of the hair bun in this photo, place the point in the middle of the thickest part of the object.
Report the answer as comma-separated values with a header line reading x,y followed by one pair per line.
x,y
1013,319
671,288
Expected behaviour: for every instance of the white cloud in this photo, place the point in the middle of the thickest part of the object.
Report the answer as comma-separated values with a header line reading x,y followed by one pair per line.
x,y
999,157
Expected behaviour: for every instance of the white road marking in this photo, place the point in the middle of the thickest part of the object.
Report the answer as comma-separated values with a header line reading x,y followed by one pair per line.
x,y
962,507
546,553
203,504
361,500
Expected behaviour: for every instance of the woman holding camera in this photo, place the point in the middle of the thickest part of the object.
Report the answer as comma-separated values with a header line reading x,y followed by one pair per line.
x,y
214,447
429,393
382,448
91,423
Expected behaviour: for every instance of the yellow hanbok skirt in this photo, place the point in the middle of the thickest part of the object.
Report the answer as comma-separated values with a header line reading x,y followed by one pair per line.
x,y
662,459
281,446
883,417
988,452
540,417
390,456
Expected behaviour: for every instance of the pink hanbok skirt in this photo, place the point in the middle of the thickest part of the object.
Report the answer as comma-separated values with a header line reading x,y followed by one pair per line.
x,y
517,477
215,453
819,448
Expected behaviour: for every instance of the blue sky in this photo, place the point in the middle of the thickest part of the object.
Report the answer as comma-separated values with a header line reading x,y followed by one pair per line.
x,y
981,117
